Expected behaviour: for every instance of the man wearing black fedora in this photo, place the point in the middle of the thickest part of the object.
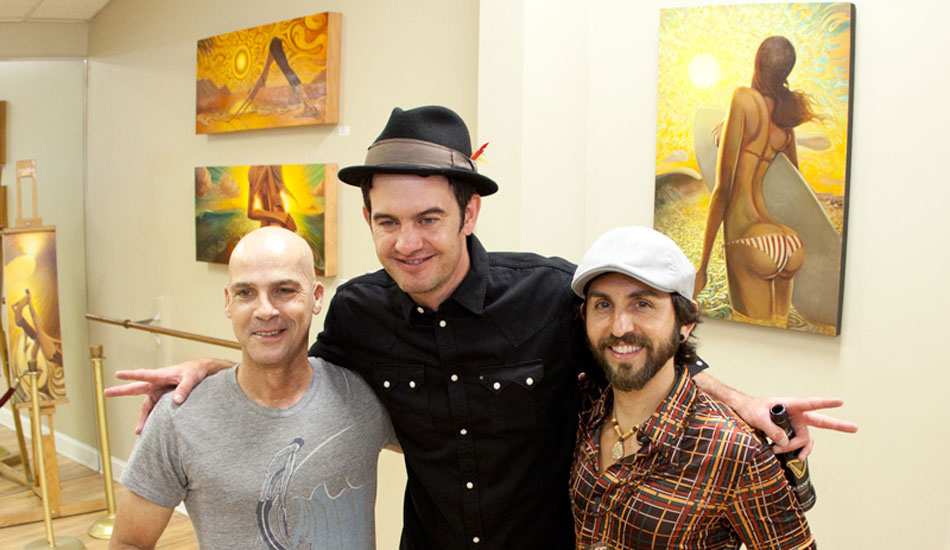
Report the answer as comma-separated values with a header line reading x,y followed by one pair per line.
x,y
475,355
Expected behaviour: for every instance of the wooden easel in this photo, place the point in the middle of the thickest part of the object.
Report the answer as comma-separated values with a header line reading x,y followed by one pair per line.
x,y
26,169
7,463
65,499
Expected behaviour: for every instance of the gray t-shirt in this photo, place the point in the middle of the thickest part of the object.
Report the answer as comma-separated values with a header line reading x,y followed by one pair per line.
x,y
254,477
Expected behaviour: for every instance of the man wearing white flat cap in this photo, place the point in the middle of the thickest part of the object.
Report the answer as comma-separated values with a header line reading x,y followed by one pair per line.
x,y
659,463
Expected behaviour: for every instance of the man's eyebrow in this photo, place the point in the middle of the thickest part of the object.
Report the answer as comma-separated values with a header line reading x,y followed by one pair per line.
x,y
282,282
596,294
645,292
287,282
434,210
642,293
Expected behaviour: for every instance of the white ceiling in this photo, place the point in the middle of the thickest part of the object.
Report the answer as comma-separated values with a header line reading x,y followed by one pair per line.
x,y
47,11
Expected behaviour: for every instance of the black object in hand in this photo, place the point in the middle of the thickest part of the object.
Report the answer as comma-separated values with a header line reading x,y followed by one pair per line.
x,y
796,471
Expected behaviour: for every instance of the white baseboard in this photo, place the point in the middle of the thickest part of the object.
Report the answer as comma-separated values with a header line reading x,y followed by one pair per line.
x,y
71,448
67,446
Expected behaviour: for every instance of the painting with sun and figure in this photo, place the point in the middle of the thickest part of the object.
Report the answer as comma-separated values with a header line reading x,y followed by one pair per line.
x,y
31,292
282,74
752,159
232,201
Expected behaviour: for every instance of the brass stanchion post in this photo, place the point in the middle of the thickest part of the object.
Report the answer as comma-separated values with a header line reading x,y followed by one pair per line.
x,y
102,527
67,543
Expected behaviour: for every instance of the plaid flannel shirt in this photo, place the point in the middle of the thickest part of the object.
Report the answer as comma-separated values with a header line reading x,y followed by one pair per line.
x,y
702,479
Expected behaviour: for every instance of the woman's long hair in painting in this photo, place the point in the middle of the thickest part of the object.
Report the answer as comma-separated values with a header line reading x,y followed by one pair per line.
x,y
773,63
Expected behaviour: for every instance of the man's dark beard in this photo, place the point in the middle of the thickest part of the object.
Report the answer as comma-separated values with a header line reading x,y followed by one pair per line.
x,y
655,359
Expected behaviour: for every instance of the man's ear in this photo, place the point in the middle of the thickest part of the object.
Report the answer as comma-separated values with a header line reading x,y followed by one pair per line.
x,y
366,217
686,330
227,303
318,297
470,214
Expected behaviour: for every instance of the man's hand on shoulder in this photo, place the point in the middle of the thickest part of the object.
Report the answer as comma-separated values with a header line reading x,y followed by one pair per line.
x,y
153,383
755,411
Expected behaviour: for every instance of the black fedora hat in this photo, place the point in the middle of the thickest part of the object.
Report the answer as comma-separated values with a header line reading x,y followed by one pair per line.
x,y
423,141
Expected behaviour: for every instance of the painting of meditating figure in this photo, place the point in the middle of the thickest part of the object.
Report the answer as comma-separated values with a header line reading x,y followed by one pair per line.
x,y
232,201
752,157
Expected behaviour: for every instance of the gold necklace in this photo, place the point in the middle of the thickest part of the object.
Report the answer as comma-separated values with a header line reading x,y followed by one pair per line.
x,y
616,452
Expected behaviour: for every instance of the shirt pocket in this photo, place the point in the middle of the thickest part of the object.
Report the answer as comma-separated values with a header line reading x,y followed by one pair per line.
x,y
402,389
510,397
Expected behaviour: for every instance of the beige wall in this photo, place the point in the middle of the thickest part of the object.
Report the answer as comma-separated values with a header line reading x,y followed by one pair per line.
x,y
45,101
36,40
584,79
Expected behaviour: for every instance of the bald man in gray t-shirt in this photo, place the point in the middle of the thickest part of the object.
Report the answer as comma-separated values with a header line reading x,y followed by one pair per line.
x,y
278,452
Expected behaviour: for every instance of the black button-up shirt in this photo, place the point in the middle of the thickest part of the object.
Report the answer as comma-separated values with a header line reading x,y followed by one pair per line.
x,y
483,395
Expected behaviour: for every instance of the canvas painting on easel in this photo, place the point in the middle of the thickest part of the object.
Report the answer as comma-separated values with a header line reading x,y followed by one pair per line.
x,y
32,298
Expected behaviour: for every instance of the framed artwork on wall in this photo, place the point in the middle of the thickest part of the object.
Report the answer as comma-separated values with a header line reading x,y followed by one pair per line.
x,y
753,152
231,201
277,75
30,288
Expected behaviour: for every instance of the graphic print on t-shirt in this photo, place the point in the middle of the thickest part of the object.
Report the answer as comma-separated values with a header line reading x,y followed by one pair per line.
x,y
323,520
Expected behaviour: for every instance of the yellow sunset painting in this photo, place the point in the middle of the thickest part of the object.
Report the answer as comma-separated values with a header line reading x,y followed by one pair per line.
x,y
281,74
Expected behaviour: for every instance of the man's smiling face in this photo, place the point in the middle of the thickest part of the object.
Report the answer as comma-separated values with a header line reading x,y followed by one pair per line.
x,y
419,234
631,329
272,296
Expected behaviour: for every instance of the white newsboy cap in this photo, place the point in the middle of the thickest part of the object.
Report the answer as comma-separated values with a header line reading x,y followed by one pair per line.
x,y
641,253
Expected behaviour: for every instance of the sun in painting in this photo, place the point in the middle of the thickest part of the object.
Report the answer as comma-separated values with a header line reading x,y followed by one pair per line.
x,y
704,69
242,61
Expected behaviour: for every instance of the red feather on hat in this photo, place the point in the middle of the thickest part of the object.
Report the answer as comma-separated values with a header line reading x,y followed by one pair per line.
x,y
478,153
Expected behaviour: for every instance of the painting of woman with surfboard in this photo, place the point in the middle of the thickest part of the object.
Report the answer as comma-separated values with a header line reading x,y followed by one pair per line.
x,y
752,157
762,255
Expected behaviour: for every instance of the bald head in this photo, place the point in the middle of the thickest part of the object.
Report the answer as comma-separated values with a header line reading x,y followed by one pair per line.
x,y
272,295
273,243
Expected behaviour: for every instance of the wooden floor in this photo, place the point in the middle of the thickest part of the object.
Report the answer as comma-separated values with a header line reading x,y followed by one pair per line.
x,y
178,535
